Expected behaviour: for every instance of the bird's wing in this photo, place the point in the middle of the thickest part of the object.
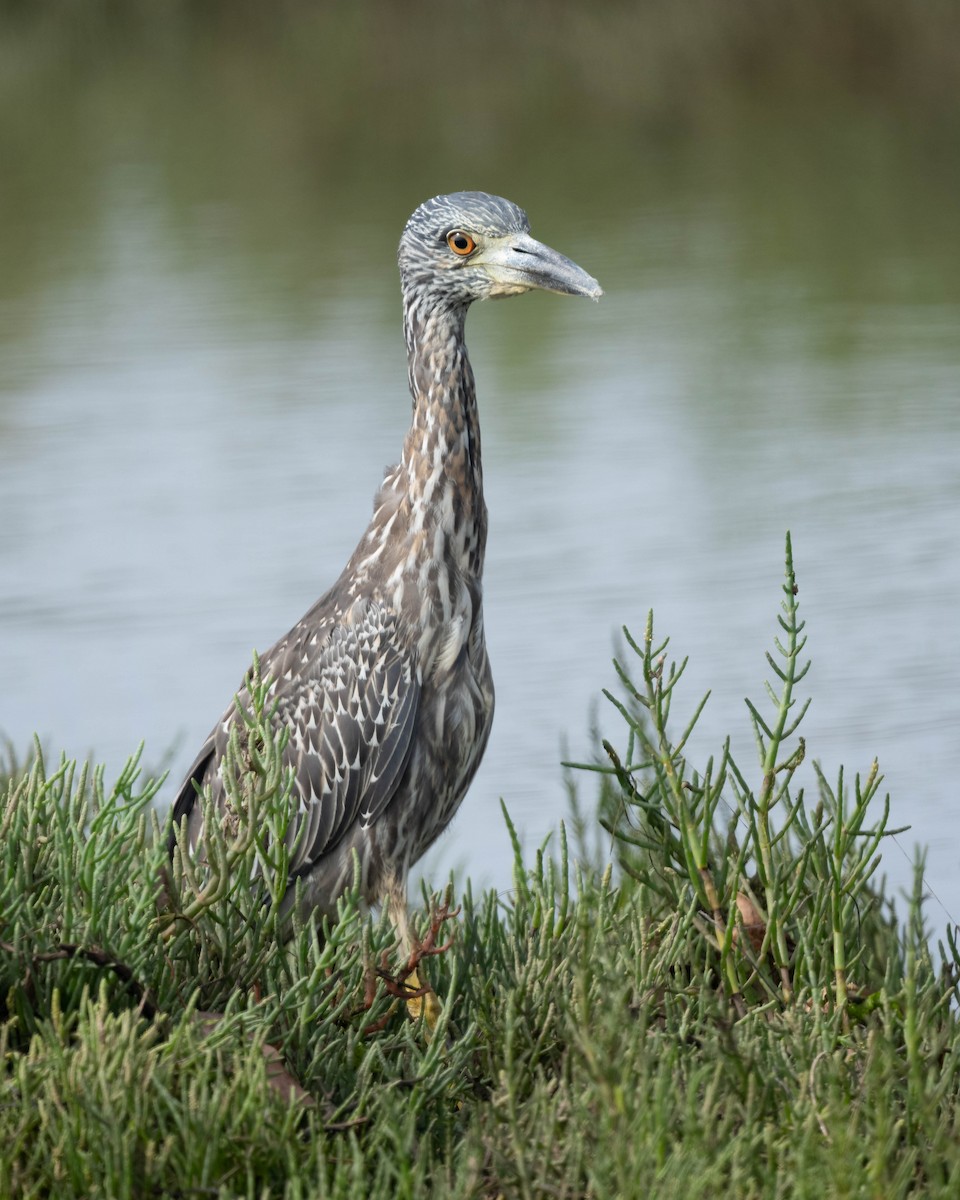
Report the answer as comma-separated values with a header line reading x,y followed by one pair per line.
x,y
351,721
347,692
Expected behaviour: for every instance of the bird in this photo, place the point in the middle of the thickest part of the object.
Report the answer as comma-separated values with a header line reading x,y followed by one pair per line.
x,y
384,686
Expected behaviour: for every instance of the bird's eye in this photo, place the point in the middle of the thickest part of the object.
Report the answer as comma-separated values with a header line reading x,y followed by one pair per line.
x,y
461,243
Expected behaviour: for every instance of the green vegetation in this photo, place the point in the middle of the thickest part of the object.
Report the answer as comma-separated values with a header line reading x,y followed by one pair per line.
x,y
241,136
731,1007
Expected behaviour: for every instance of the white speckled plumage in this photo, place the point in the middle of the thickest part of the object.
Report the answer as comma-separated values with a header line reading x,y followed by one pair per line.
x,y
384,685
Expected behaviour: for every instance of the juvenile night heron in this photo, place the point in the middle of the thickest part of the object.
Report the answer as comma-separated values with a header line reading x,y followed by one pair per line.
x,y
384,686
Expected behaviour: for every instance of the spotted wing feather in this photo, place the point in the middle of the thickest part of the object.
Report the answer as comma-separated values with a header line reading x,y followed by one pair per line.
x,y
347,692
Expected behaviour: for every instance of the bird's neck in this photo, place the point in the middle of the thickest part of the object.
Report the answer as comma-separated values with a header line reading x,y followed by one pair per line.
x,y
440,469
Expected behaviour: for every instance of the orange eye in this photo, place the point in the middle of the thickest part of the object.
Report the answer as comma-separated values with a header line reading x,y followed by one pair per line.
x,y
461,243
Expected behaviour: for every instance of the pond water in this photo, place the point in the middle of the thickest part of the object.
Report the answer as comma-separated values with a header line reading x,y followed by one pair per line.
x,y
202,379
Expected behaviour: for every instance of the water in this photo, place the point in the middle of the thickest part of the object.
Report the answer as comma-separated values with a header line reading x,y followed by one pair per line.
x,y
202,378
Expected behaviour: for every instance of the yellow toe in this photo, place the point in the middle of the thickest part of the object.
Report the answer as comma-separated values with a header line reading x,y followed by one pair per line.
x,y
427,1006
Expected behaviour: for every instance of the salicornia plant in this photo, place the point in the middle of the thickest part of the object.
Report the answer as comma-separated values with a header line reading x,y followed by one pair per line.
x,y
779,888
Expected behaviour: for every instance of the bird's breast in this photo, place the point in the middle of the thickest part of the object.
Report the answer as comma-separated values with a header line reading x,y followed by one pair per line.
x,y
450,621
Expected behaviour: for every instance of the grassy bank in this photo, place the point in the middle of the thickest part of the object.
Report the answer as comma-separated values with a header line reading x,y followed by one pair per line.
x,y
731,1004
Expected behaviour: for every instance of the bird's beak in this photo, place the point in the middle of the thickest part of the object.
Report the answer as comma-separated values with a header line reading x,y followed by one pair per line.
x,y
520,263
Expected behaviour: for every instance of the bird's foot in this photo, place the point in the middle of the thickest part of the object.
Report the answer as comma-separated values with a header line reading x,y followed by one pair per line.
x,y
425,1002
406,985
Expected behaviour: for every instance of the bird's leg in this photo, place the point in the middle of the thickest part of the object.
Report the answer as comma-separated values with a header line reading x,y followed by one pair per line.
x,y
420,997
396,897
393,985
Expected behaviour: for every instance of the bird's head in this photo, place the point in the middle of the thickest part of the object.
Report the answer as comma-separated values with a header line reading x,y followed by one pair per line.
x,y
472,246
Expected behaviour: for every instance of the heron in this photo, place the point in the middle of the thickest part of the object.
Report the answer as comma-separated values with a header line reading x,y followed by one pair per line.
x,y
384,686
